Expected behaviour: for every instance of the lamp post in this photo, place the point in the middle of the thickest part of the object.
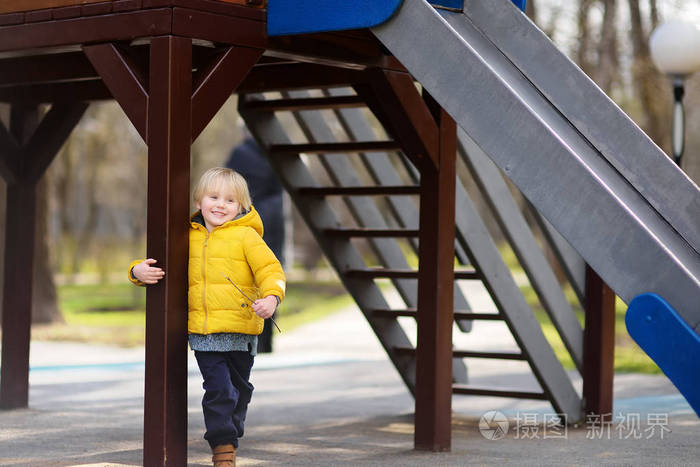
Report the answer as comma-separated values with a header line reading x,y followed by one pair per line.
x,y
675,50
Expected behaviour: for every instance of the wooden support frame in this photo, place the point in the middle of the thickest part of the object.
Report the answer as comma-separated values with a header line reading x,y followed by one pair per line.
x,y
165,396
397,104
26,151
598,347
169,106
125,79
212,84
433,419
217,81
67,32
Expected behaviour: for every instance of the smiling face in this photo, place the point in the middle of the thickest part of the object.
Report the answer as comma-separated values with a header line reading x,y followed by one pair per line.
x,y
218,206
221,194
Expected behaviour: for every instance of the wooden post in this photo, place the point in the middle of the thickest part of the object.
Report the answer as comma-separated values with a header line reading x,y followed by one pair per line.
x,y
433,419
598,347
174,110
25,153
20,220
169,136
17,299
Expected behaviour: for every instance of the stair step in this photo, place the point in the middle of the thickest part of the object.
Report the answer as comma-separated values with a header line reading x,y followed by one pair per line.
x,y
383,190
309,103
499,355
459,315
330,148
363,232
373,273
464,389
468,274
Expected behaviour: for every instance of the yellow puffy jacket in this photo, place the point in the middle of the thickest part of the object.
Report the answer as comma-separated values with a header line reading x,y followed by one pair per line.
x,y
235,250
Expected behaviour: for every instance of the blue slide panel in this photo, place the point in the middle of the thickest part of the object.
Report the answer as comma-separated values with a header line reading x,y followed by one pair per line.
x,y
306,16
286,17
459,4
520,4
454,4
669,341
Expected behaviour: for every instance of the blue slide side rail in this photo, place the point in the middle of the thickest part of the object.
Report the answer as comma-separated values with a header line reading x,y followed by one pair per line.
x,y
669,341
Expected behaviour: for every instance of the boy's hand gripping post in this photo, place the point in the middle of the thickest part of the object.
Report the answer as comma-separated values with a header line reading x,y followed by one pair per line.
x,y
248,298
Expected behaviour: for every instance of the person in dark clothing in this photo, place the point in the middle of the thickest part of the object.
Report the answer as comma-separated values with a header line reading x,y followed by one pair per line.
x,y
266,192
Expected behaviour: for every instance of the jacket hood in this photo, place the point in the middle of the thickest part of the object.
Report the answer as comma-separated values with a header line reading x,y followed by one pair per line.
x,y
245,219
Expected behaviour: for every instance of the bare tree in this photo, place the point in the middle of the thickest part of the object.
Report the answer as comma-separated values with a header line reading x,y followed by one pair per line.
x,y
597,48
44,298
648,83
583,52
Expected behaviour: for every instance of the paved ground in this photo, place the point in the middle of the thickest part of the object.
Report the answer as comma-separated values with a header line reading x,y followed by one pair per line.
x,y
328,396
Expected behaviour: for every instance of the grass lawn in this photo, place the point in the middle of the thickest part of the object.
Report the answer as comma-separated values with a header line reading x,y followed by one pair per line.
x,y
115,313
629,357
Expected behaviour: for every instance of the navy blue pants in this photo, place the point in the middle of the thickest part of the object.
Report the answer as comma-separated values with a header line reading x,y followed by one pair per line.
x,y
227,393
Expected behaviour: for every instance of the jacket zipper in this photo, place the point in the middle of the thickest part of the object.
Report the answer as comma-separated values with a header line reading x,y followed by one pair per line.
x,y
204,282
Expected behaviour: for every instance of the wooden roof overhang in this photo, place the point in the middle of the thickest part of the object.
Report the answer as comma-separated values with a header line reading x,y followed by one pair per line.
x,y
42,59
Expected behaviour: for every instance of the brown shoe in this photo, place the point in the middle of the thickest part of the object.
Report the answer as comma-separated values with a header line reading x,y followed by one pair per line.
x,y
224,456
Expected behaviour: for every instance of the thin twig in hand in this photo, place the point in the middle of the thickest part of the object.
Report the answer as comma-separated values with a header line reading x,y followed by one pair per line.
x,y
249,299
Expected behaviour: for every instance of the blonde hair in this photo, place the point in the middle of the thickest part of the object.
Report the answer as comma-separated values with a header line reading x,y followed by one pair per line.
x,y
228,180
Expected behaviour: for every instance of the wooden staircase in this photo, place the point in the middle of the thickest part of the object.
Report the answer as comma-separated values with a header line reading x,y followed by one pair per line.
x,y
357,186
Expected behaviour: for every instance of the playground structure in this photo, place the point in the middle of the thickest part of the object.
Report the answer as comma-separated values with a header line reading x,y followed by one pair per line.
x,y
605,192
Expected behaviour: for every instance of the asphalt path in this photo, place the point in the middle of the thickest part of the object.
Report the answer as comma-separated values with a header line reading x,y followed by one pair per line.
x,y
329,396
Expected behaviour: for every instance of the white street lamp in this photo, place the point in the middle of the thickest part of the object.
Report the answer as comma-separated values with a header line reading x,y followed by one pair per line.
x,y
675,50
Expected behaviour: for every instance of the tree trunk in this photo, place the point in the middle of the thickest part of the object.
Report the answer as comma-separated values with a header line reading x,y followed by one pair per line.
x,y
531,10
650,85
583,52
607,69
44,298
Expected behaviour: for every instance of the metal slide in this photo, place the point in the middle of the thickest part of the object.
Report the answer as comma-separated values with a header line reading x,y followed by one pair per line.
x,y
596,177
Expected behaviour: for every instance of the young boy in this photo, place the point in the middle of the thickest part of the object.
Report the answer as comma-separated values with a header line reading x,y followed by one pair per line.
x,y
224,319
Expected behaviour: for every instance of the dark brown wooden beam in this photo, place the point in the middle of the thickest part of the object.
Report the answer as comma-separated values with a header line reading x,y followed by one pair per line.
x,y
34,69
26,5
52,133
78,91
287,76
125,80
598,347
169,138
74,66
70,76
214,6
17,296
18,275
395,101
106,28
433,417
10,155
217,81
219,28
